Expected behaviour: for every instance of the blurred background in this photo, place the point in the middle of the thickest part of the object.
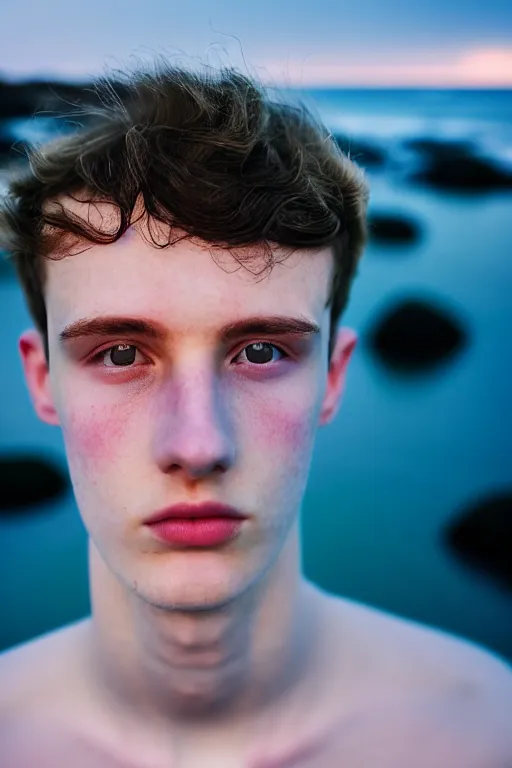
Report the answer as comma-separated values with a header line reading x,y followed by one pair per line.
x,y
409,503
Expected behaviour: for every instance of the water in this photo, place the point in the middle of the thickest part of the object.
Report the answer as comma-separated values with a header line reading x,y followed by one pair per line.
x,y
402,456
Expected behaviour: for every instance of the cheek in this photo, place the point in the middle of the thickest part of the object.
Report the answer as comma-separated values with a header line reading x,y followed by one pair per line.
x,y
95,436
280,451
286,429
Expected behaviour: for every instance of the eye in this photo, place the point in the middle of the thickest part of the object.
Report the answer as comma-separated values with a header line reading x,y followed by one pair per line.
x,y
120,356
261,352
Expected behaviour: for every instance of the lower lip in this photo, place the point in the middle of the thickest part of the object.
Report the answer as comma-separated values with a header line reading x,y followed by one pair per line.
x,y
202,532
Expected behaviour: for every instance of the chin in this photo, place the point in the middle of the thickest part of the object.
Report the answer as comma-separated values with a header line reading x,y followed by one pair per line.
x,y
188,599
192,586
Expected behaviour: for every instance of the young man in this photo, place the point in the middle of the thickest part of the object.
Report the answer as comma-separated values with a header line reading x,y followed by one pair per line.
x,y
186,260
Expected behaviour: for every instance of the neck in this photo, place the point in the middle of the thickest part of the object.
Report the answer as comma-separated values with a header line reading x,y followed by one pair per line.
x,y
255,655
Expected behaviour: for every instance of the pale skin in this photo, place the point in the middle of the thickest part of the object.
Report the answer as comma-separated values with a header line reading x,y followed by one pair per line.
x,y
225,657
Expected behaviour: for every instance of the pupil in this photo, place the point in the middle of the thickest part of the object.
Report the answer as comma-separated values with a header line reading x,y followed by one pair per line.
x,y
123,355
261,352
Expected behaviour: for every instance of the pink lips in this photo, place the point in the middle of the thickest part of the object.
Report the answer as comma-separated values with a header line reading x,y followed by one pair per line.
x,y
196,525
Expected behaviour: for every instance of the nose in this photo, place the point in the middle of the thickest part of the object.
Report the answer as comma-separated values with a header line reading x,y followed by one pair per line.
x,y
193,432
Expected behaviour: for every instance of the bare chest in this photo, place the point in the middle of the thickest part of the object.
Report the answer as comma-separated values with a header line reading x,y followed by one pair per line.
x,y
389,739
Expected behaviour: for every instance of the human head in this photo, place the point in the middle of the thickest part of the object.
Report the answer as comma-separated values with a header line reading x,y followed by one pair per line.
x,y
87,226
209,154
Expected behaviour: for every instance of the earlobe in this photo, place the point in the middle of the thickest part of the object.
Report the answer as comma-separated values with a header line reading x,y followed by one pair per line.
x,y
345,344
37,375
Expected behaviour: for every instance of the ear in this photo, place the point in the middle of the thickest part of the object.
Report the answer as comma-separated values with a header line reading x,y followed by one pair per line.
x,y
37,375
345,344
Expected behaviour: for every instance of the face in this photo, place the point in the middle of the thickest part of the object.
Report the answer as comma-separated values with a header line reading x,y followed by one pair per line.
x,y
190,416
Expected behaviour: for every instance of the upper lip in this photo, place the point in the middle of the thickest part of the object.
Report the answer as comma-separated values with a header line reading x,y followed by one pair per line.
x,y
206,509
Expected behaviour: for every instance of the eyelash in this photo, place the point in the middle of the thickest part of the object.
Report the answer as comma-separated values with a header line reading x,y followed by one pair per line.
x,y
97,358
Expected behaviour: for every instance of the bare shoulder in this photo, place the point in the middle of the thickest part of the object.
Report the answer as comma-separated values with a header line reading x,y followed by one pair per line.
x,y
36,673
422,651
40,699
432,683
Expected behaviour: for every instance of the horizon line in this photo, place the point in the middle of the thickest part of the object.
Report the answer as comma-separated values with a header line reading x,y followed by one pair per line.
x,y
478,68
64,78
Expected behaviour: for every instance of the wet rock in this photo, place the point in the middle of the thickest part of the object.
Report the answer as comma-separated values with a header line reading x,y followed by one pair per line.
x,y
416,335
393,228
362,152
11,151
437,149
456,166
5,146
24,99
465,175
481,537
27,480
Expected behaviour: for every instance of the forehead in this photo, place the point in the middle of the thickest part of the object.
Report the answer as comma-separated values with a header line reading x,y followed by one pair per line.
x,y
189,284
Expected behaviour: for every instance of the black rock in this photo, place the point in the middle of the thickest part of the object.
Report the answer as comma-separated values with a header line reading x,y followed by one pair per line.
x,y
437,149
11,151
25,99
464,174
393,228
29,480
361,152
481,536
415,336
5,146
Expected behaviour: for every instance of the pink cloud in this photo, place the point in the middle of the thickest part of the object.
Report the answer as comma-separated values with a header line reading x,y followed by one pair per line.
x,y
479,67
488,65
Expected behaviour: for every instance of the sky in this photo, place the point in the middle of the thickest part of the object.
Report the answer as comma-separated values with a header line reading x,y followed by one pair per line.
x,y
442,43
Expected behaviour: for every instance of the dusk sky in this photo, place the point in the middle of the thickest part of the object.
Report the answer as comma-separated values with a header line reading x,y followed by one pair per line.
x,y
294,42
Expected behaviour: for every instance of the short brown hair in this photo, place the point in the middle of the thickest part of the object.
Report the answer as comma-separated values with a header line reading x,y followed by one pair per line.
x,y
210,154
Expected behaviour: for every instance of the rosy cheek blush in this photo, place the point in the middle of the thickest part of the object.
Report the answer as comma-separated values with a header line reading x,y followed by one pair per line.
x,y
95,435
283,428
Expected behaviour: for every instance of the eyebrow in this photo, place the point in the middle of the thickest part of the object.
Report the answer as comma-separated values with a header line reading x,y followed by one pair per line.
x,y
274,325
